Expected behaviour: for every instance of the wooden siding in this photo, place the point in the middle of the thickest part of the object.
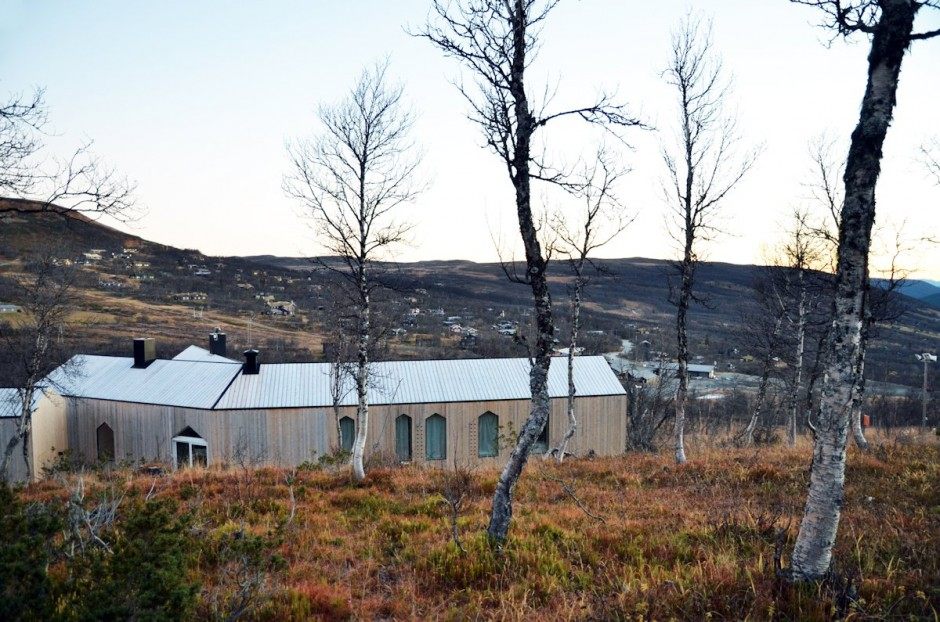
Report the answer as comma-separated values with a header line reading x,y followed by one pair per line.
x,y
601,427
289,437
142,432
47,439
50,432
18,469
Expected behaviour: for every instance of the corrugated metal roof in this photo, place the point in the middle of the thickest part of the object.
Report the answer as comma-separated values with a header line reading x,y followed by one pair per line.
x,y
195,353
193,384
296,385
9,403
692,367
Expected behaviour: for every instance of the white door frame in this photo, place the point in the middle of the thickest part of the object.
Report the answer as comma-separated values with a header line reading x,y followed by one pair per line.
x,y
189,440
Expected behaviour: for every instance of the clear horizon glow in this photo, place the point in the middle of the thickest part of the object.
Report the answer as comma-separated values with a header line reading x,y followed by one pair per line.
x,y
195,101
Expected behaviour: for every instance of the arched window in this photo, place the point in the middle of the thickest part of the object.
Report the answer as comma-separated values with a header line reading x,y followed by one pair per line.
x,y
540,446
190,449
435,438
487,435
347,428
403,438
105,437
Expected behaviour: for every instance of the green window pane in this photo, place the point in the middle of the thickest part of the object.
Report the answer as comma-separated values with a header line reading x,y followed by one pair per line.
x,y
435,438
403,437
487,435
347,428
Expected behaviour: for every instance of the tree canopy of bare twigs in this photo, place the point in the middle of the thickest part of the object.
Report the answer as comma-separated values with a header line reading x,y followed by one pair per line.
x,y
703,167
576,239
496,41
889,24
80,183
931,156
353,178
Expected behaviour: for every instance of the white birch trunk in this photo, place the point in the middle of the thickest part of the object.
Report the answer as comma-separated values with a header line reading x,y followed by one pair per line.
x,y
572,390
812,553
797,362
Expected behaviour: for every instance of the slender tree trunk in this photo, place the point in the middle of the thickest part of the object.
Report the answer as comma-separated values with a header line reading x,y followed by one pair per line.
x,y
797,361
572,346
812,553
923,403
682,353
858,390
501,514
362,379
336,388
747,438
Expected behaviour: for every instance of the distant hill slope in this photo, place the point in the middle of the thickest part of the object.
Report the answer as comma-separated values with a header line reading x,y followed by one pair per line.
x,y
926,291
127,295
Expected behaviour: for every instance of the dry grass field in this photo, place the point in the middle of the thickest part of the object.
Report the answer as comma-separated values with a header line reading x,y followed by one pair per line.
x,y
633,537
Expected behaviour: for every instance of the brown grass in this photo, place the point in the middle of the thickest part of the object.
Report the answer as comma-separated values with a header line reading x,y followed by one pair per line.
x,y
690,542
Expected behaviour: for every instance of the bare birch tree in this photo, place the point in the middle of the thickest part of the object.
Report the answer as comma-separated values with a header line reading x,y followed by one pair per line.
x,y
800,257
880,301
703,168
601,221
496,41
890,26
353,177
46,300
764,333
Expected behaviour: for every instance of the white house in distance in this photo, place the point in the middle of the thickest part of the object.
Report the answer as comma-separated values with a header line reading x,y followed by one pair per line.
x,y
204,408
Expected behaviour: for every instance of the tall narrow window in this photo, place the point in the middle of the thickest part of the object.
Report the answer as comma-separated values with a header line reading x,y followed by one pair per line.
x,y
540,446
190,449
487,435
403,438
347,428
105,437
435,438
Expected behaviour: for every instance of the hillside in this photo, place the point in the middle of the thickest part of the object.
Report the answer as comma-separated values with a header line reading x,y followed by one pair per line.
x,y
128,286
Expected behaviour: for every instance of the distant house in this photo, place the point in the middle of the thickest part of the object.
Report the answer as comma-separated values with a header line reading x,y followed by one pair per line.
x,y
202,272
8,308
638,373
92,256
578,351
695,370
282,307
191,297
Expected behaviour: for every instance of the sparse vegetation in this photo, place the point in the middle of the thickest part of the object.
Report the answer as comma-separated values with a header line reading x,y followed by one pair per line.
x,y
698,541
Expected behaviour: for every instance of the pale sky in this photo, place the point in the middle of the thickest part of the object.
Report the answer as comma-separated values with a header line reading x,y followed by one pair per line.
x,y
195,101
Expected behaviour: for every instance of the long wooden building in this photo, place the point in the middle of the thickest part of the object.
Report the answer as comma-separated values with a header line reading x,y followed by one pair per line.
x,y
202,408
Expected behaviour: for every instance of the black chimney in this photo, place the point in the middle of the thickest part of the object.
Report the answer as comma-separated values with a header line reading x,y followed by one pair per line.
x,y
145,352
252,365
217,342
